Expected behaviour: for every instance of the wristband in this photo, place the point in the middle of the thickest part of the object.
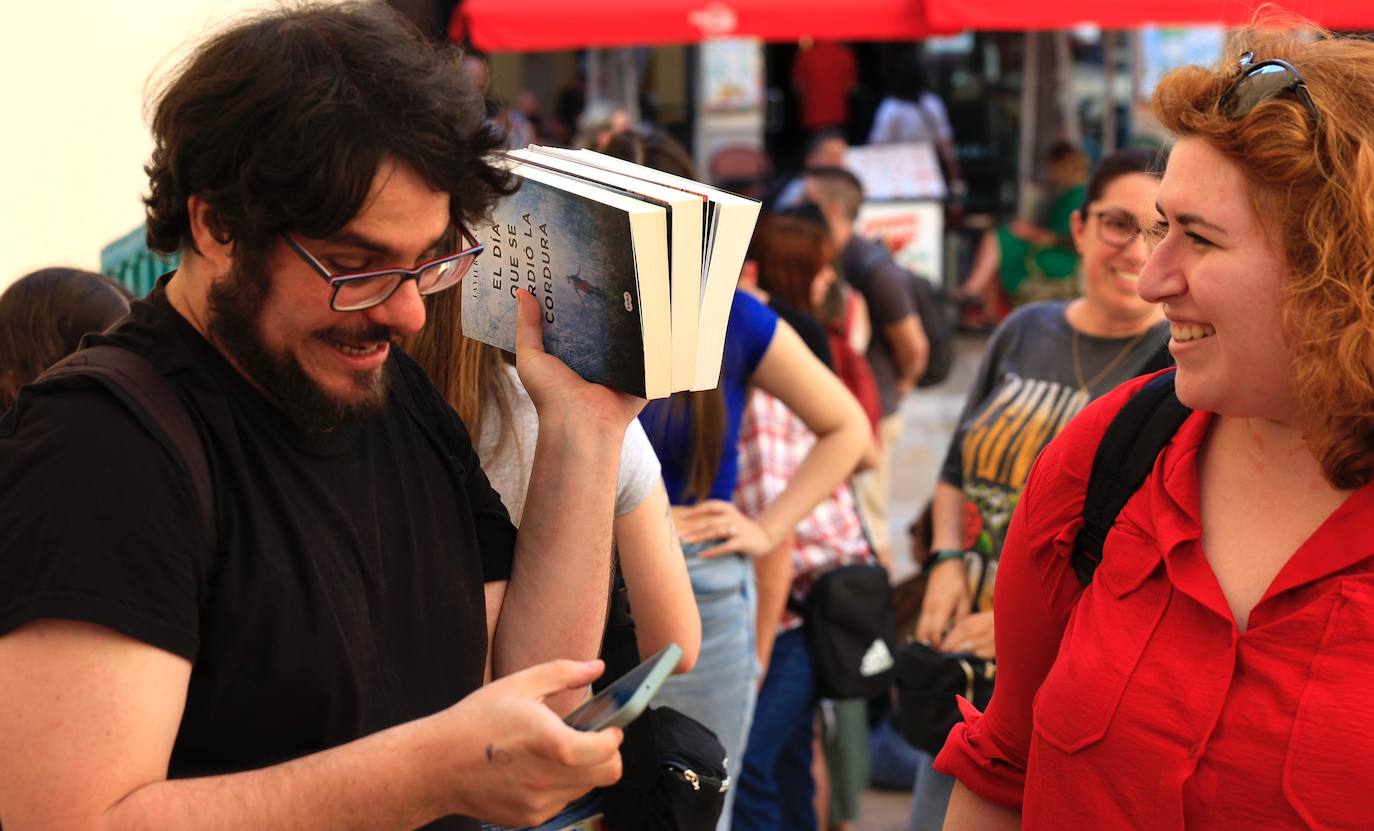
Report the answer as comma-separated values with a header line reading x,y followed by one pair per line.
x,y
946,554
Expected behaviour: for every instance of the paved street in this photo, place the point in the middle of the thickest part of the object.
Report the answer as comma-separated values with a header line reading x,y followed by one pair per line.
x,y
884,811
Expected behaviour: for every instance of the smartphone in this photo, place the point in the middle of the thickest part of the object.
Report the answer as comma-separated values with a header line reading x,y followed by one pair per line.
x,y
624,700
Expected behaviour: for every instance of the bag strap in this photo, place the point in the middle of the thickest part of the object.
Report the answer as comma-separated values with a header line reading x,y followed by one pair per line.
x,y
145,391
620,643
1125,456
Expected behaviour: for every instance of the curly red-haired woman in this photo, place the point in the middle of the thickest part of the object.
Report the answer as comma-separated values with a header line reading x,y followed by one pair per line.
x,y
1218,670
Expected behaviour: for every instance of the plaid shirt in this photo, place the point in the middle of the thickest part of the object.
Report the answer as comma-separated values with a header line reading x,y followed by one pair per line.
x,y
773,441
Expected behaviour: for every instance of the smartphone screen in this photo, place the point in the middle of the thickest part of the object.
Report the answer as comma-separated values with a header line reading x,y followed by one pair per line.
x,y
626,698
599,707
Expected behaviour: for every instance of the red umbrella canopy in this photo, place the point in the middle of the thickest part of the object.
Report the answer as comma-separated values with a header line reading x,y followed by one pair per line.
x,y
531,25
946,15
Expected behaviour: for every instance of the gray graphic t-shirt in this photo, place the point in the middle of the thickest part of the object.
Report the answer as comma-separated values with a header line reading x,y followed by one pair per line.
x,y
1025,392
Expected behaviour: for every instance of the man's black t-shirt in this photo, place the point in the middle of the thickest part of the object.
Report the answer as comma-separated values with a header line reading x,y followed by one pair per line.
x,y
343,593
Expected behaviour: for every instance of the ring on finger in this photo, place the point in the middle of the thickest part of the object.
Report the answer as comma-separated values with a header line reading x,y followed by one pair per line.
x,y
729,531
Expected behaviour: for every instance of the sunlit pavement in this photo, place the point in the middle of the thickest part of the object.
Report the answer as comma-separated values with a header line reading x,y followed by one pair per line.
x,y
883,811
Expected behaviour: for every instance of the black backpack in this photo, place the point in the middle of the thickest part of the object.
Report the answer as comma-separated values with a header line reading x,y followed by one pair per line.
x,y
146,393
927,680
150,397
1125,456
848,620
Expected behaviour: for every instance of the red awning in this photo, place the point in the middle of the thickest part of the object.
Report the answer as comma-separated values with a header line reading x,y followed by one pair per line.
x,y
531,25
954,15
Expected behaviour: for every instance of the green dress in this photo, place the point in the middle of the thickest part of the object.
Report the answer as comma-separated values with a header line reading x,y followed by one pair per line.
x,y
1050,264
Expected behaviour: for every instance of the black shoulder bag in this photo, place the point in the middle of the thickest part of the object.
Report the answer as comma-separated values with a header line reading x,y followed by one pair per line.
x,y
848,620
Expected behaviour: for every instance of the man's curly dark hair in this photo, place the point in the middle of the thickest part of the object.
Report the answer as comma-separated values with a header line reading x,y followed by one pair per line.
x,y
281,122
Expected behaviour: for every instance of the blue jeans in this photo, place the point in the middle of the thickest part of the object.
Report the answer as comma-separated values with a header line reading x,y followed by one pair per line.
x,y
930,799
894,761
720,690
776,791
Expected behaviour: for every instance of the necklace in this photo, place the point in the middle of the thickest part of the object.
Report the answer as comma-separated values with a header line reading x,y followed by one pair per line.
x,y
1086,386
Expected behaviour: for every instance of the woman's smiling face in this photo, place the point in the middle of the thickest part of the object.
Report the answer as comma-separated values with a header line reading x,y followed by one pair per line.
x,y
1219,274
1111,271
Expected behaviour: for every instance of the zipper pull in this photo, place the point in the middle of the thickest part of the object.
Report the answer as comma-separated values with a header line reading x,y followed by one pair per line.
x,y
692,779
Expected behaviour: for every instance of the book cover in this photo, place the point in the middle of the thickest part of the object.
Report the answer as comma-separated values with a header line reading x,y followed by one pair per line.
x,y
686,215
577,256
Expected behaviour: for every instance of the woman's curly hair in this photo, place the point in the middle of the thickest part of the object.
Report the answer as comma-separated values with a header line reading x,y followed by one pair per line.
x,y
281,121
1314,185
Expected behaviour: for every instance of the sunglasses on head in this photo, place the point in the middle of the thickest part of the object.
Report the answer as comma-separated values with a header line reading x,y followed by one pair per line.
x,y
1260,82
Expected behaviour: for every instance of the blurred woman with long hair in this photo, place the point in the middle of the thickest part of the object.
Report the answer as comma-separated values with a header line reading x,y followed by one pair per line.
x,y
696,438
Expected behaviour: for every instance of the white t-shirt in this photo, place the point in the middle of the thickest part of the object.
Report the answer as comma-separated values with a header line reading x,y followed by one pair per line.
x,y
898,121
509,471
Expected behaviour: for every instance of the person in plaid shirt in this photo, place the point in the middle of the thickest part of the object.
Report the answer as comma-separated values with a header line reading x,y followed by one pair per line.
x,y
775,786
772,444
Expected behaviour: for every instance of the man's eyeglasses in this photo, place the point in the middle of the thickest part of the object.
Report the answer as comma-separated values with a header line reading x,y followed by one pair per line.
x,y
1116,227
358,290
1260,82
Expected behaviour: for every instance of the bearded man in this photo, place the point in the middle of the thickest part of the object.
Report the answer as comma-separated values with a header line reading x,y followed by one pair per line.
x,y
315,656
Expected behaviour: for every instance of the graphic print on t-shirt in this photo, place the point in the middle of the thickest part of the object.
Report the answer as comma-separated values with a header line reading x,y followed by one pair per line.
x,y
1000,446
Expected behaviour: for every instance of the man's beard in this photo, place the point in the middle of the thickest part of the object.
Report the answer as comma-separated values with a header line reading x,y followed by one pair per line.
x,y
235,313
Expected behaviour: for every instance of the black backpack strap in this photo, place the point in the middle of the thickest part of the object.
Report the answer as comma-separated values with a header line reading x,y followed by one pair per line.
x,y
441,433
145,391
1125,456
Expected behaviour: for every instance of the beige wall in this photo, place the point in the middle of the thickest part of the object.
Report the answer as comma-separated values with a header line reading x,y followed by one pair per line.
x,y
73,77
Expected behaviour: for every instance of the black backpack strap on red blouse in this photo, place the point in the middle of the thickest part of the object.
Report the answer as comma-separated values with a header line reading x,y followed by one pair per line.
x,y
1125,456
145,392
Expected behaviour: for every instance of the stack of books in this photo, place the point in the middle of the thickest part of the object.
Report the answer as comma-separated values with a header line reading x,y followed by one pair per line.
x,y
634,269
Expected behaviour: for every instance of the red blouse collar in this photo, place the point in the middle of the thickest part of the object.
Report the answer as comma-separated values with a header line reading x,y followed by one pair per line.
x,y
1342,540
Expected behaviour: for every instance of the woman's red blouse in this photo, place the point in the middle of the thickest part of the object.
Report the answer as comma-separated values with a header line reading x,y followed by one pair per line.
x,y
1157,712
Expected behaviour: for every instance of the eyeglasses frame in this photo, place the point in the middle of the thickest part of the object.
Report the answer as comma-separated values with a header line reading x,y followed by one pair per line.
x,y
1139,230
338,281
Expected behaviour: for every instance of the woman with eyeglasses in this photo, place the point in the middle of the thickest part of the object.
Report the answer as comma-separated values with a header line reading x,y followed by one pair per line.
x,y
1042,365
1215,670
